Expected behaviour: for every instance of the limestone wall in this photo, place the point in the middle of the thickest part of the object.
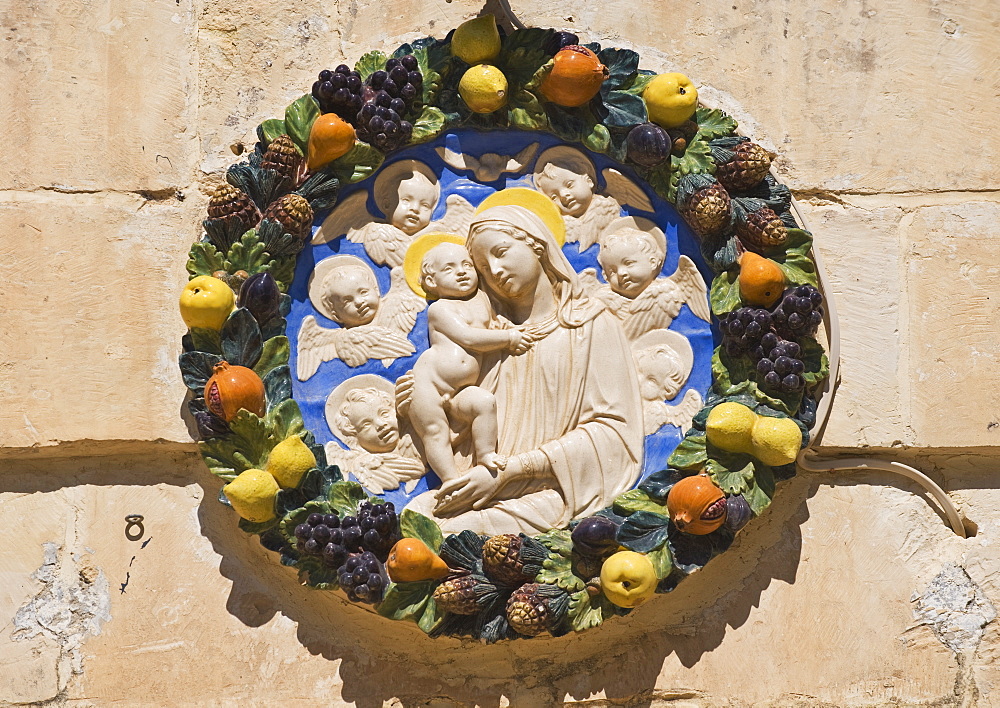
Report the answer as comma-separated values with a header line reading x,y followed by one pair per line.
x,y
850,592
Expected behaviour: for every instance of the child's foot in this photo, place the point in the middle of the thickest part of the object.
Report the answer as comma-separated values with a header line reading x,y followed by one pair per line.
x,y
494,462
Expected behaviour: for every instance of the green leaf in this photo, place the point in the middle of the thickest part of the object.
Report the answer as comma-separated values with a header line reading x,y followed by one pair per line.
x,y
197,369
277,386
345,497
414,525
662,560
817,365
623,67
358,164
204,259
247,254
725,294
762,490
271,129
558,541
636,500
299,118
527,112
731,480
691,454
369,63
713,123
639,83
557,569
696,160
643,531
274,354
736,376
598,139
408,601
428,125
587,612
258,528
282,270
240,336
206,340
793,258
323,578
540,75
285,420
246,447
624,109
657,485
431,617
521,54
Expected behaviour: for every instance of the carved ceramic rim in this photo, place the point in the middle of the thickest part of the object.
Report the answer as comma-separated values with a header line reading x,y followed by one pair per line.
x,y
825,390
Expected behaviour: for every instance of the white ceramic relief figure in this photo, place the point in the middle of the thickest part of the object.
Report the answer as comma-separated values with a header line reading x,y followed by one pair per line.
x,y
489,166
568,177
344,289
631,256
407,192
461,328
361,412
663,361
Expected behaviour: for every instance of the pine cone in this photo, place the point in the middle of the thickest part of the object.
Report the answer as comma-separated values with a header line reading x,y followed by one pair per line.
x,y
284,157
459,595
762,229
534,608
512,560
708,210
746,170
293,213
230,204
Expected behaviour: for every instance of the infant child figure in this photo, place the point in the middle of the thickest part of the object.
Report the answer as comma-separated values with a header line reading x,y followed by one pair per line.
x,y
630,260
568,177
415,200
445,375
351,295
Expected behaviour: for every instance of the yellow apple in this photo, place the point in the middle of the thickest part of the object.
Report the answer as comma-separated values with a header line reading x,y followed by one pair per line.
x,y
671,99
628,579
206,302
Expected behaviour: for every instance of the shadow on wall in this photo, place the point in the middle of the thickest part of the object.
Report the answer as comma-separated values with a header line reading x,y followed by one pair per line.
x,y
381,659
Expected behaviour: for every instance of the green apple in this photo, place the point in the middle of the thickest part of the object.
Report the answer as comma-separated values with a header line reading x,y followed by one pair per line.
x,y
206,302
628,579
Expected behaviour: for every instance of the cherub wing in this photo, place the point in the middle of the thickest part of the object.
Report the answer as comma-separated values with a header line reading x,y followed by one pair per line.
x,y
692,288
315,345
399,308
682,413
624,190
382,472
349,217
457,217
456,160
599,215
601,291
384,243
522,159
373,342
654,308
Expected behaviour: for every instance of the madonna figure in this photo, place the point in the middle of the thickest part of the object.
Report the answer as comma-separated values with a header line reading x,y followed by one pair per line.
x,y
568,410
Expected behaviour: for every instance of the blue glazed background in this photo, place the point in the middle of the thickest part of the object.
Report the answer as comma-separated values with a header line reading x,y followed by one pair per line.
x,y
311,395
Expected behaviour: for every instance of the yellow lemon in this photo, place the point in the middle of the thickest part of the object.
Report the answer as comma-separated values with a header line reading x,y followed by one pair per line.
x,y
670,99
730,425
776,441
628,579
289,460
477,40
252,494
206,302
483,88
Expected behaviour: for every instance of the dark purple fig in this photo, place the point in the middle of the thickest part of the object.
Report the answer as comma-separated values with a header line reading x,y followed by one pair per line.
x,y
648,145
559,40
210,426
260,296
595,535
738,513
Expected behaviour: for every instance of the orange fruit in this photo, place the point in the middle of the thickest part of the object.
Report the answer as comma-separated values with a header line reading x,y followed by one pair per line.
x,y
576,77
331,137
411,560
761,280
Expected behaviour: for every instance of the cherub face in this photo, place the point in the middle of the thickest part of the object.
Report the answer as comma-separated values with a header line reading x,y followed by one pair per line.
x,y
352,296
374,423
660,377
627,268
571,192
417,199
448,271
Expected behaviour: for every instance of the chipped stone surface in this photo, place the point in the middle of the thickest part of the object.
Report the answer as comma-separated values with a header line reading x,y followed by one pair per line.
x,y
955,608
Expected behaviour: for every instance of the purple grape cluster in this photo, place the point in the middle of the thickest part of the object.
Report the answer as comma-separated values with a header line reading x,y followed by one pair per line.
x,y
754,332
799,313
363,578
390,96
340,91
322,535
376,528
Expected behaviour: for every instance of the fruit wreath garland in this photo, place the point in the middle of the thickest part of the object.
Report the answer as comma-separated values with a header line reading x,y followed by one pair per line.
x,y
766,371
